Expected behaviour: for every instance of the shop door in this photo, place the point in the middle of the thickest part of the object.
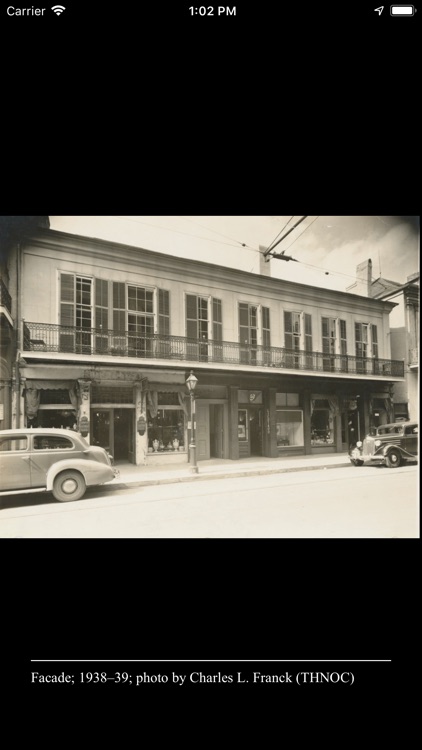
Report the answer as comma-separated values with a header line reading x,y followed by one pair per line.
x,y
255,431
216,431
123,434
113,429
102,428
202,432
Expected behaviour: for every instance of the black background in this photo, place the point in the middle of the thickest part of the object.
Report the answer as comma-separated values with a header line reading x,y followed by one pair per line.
x,y
149,111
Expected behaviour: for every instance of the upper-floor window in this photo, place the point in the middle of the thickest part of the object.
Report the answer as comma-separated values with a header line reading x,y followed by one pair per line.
x,y
248,331
75,313
297,338
133,311
366,345
104,316
204,327
254,331
343,337
334,343
197,317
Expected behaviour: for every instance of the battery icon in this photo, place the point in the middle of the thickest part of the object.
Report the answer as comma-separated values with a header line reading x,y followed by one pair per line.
x,y
402,10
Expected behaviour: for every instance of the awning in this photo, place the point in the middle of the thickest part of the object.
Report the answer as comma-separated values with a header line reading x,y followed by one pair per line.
x,y
50,385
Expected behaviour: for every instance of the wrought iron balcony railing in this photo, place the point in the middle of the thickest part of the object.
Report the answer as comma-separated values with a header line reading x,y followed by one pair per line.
x,y
5,298
47,337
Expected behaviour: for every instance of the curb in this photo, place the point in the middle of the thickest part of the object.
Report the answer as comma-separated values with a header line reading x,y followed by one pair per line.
x,y
217,475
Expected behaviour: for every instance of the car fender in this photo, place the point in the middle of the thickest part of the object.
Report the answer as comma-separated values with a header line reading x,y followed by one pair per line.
x,y
92,471
388,448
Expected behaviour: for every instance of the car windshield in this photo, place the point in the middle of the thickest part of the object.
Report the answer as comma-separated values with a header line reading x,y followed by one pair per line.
x,y
392,429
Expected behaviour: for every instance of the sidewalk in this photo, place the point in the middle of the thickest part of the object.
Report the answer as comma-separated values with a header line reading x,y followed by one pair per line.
x,y
138,476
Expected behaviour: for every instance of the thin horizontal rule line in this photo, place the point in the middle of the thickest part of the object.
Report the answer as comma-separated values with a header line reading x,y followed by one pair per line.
x,y
212,661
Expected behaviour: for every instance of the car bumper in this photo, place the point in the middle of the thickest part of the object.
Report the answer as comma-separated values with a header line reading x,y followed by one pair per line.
x,y
355,455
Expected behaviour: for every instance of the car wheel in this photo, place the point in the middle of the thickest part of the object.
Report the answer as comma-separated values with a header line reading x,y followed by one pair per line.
x,y
356,462
393,459
69,485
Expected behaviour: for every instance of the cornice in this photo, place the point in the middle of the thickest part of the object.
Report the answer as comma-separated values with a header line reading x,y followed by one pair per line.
x,y
194,269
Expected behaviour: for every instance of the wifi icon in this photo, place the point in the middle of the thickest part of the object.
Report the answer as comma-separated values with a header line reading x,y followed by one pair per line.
x,y
58,9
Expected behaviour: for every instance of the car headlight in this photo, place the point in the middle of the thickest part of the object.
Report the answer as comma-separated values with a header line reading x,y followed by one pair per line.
x,y
359,444
378,443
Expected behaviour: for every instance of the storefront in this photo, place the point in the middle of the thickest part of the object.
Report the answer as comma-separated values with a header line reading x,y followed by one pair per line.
x,y
145,418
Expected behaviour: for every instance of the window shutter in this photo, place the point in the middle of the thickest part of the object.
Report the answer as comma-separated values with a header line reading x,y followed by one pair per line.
x,y
288,330
67,299
119,306
358,332
217,324
163,312
101,304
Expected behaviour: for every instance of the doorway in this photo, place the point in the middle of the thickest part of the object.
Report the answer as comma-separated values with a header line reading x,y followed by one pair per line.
x,y
255,430
216,431
113,429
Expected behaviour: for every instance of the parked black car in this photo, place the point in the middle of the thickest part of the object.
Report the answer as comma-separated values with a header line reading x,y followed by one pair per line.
x,y
392,445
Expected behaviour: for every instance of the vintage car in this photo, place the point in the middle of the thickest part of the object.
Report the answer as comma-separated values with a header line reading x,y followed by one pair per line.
x,y
392,445
60,461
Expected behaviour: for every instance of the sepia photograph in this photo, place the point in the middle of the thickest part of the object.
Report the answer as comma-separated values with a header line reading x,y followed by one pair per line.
x,y
209,377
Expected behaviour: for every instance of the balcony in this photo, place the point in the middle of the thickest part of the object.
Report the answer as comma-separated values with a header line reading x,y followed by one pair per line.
x,y
6,320
45,337
5,298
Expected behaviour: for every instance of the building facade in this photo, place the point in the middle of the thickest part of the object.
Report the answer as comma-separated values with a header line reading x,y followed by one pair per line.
x,y
404,332
108,335
404,341
7,347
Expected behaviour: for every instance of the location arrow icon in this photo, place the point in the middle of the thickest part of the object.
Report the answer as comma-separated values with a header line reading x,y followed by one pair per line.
x,y
380,9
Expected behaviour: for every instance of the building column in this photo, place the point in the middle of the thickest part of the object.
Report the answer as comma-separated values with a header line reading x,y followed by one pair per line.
x,y
269,426
5,405
233,419
307,420
84,408
20,403
339,442
365,426
141,441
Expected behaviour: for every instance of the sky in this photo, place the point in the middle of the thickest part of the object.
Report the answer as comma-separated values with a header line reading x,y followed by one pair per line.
x,y
327,248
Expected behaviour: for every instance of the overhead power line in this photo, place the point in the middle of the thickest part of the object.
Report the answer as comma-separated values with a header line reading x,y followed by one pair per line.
x,y
270,246
268,251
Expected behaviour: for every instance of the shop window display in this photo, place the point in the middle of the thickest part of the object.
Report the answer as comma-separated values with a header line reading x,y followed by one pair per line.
x,y
289,428
166,431
322,423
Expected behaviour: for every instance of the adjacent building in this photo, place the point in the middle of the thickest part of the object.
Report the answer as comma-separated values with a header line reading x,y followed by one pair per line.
x,y
107,335
12,229
404,332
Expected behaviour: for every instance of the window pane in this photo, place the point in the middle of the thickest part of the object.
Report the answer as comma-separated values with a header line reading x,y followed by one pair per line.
x,y
322,427
242,425
52,443
13,444
289,428
167,427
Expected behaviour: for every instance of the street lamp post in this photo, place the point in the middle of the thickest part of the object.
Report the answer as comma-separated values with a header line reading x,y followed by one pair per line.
x,y
357,402
191,382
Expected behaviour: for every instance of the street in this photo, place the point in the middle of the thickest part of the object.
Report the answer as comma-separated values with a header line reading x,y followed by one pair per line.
x,y
368,502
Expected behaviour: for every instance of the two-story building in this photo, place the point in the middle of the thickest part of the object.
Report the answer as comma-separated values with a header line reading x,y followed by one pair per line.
x,y
109,333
